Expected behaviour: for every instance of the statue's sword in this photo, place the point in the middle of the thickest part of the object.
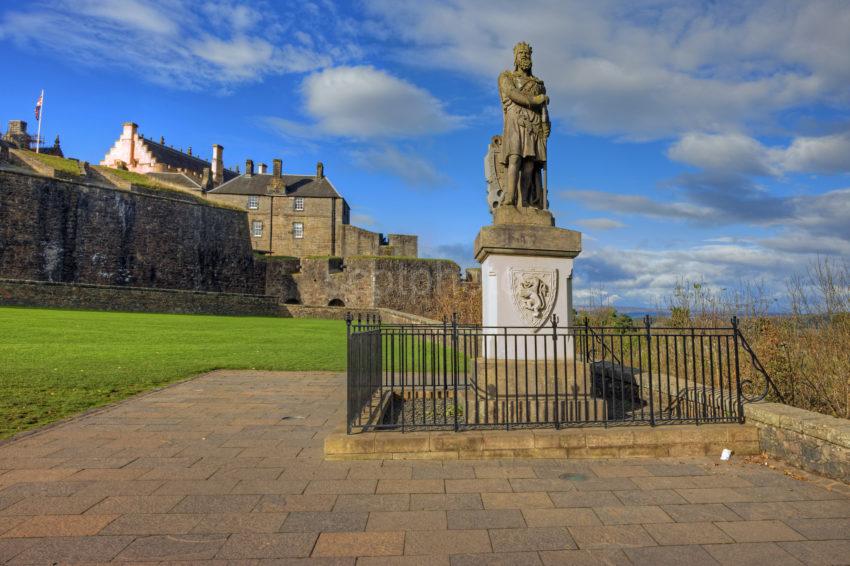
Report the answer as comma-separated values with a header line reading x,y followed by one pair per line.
x,y
545,116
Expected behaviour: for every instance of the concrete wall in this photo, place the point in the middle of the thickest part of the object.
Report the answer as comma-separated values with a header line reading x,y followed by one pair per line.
x,y
133,299
65,231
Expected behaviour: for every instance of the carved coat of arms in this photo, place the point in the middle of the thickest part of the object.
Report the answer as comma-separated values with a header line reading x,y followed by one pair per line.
x,y
534,292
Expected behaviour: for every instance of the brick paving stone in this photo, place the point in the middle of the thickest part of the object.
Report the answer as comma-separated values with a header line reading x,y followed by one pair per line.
x,y
288,503
216,504
692,555
196,487
546,484
360,544
537,538
323,521
610,536
448,501
759,531
559,517
478,486
819,551
98,474
6,523
176,473
460,519
71,549
756,511
820,529
665,482
406,520
609,557
447,542
695,513
381,473
649,497
41,505
373,502
687,533
755,553
410,486
152,524
584,499
508,472
822,509
239,523
60,526
341,486
247,473
172,548
633,514
125,504
9,548
713,495
605,484
529,500
619,471
15,493
119,487
429,560
500,559
443,473
269,487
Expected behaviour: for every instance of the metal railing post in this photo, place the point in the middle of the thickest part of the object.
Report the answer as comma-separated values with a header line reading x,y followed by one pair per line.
x,y
738,388
348,379
555,367
455,373
648,324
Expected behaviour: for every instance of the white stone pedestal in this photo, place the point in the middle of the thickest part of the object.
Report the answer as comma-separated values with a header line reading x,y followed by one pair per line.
x,y
526,275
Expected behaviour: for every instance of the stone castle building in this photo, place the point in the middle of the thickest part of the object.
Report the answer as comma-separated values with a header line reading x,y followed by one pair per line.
x,y
303,215
134,152
288,215
17,137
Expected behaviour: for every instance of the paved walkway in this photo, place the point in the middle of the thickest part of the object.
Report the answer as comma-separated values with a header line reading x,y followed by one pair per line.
x,y
228,467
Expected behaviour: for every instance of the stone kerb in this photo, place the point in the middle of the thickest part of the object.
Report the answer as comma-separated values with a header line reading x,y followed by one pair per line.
x,y
808,440
616,442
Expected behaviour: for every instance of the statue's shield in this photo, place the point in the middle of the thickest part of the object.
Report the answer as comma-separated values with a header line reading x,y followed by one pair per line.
x,y
495,173
534,292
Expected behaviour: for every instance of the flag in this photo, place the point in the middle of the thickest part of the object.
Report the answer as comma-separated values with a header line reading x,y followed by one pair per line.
x,y
38,105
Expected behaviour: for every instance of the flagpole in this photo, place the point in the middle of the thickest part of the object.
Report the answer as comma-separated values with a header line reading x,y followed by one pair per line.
x,y
40,116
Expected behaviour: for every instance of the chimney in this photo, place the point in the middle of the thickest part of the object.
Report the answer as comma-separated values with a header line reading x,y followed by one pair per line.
x,y
262,167
277,168
320,171
249,167
217,164
130,130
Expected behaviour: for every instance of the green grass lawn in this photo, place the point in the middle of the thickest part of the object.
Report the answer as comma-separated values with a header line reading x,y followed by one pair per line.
x,y
68,166
55,363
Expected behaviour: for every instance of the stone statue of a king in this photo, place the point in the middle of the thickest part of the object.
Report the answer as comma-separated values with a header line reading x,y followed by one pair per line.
x,y
517,158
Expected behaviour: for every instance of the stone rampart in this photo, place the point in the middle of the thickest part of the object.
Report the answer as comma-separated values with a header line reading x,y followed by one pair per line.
x,y
133,299
71,232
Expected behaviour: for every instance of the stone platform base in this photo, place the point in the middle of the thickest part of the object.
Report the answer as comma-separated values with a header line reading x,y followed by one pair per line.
x,y
616,442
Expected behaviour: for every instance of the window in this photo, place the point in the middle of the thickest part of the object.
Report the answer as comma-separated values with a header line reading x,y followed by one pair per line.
x,y
299,203
257,228
253,202
298,229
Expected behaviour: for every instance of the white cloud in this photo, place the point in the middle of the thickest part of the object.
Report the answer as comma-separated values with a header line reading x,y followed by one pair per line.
x,y
600,223
365,102
637,204
642,69
168,42
735,153
411,168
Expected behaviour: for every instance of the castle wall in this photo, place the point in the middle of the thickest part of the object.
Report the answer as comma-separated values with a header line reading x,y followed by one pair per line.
x,y
134,299
65,231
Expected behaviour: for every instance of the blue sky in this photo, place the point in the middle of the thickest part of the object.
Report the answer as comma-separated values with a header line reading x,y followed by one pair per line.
x,y
705,141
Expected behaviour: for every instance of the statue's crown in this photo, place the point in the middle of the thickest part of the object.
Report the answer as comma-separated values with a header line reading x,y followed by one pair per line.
x,y
521,45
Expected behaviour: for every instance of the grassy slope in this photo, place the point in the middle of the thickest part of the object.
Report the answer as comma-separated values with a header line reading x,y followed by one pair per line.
x,y
59,163
56,363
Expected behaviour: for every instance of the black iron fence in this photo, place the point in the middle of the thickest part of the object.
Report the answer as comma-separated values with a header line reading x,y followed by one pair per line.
x,y
453,376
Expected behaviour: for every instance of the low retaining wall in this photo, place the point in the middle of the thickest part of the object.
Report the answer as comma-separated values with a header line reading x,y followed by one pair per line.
x,y
132,299
388,316
807,440
621,442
